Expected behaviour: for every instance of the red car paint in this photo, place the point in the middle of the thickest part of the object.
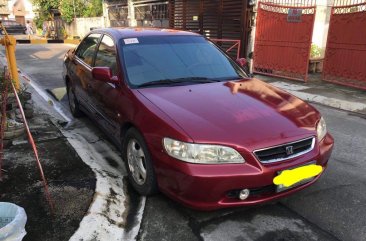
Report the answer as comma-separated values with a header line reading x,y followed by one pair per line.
x,y
246,115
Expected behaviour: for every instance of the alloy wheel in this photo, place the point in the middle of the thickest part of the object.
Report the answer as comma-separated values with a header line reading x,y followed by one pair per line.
x,y
136,161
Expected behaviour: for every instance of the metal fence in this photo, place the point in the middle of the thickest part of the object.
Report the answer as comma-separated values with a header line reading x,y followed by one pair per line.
x,y
283,38
345,55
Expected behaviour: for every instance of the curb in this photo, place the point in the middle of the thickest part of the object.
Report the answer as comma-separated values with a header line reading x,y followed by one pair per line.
x,y
48,41
351,106
107,217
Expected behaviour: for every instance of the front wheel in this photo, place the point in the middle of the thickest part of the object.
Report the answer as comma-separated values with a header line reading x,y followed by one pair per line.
x,y
138,162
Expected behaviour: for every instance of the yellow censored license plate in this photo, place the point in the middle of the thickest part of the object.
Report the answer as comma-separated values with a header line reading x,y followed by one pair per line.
x,y
296,176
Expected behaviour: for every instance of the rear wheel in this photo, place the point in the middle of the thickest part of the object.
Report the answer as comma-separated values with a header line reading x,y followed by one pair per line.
x,y
138,162
73,102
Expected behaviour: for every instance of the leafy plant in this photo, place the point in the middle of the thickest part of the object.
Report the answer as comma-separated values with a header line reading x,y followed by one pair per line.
x,y
5,82
44,10
2,80
94,8
315,51
24,94
64,33
68,8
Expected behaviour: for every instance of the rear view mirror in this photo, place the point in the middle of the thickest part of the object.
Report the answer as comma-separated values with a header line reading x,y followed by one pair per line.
x,y
104,74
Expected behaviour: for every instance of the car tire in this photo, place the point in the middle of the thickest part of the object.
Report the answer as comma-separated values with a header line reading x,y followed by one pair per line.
x,y
73,102
138,163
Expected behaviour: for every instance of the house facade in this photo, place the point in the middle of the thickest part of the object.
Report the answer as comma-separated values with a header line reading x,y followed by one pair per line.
x,y
216,19
18,10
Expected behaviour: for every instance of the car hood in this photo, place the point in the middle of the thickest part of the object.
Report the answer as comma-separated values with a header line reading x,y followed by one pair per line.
x,y
247,113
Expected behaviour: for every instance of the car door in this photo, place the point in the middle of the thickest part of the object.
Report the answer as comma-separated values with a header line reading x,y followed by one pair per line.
x,y
107,96
80,69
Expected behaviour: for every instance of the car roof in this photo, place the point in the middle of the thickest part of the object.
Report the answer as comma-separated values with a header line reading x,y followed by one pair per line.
x,y
120,33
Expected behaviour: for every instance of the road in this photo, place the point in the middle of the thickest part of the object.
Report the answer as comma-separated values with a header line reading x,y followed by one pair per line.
x,y
332,209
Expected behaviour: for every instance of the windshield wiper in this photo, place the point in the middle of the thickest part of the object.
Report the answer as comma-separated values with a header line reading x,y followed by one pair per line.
x,y
195,79
232,78
178,81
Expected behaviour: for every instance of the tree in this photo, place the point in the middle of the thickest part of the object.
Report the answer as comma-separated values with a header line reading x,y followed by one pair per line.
x,y
71,8
94,8
44,10
68,8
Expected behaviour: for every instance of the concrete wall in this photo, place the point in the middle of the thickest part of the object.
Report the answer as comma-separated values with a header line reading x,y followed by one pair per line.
x,y
321,24
81,26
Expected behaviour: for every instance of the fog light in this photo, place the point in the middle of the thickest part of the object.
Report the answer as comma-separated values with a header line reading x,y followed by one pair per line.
x,y
244,194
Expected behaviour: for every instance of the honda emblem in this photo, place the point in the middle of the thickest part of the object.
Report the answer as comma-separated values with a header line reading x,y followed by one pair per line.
x,y
289,150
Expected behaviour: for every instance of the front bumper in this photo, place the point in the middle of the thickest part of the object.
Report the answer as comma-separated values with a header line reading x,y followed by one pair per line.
x,y
208,187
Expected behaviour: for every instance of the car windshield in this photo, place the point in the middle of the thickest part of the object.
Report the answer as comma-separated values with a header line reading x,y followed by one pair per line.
x,y
168,60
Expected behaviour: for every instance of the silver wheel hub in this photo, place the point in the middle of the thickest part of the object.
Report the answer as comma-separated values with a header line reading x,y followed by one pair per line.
x,y
136,161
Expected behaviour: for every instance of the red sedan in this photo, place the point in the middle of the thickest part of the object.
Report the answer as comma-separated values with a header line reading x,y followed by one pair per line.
x,y
189,121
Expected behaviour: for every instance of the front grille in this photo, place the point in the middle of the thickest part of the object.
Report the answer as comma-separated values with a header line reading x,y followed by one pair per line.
x,y
285,151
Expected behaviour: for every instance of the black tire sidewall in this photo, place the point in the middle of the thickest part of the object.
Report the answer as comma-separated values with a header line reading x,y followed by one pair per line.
x,y
76,112
150,185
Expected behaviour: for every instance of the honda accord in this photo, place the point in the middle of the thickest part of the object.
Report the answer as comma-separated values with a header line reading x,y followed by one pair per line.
x,y
190,122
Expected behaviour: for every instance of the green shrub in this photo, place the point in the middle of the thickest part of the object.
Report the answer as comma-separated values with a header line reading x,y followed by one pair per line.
x,y
315,51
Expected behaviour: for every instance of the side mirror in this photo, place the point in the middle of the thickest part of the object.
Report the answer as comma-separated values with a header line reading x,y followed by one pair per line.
x,y
104,74
242,62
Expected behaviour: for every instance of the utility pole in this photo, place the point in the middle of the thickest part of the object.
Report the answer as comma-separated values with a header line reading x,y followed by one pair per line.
x,y
73,3
106,21
131,14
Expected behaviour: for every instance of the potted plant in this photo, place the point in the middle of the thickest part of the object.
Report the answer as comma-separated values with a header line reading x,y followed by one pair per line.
x,y
316,60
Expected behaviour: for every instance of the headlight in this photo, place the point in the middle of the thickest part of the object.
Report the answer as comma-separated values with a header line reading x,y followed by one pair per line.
x,y
321,129
201,153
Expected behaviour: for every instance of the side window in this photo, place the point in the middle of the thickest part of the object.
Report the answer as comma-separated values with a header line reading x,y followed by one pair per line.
x,y
106,55
86,48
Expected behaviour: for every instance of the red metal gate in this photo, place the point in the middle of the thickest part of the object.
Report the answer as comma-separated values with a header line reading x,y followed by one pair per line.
x,y
233,45
283,38
345,56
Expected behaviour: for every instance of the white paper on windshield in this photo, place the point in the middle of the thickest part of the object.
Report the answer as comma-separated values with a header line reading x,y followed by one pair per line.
x,y
131,41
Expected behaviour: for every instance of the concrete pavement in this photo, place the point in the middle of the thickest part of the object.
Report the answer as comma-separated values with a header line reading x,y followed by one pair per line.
x,y
321,92
71,183
332,209
106,218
